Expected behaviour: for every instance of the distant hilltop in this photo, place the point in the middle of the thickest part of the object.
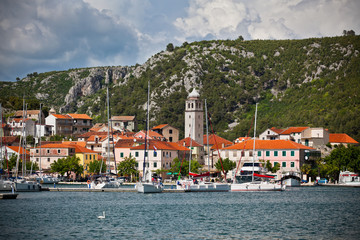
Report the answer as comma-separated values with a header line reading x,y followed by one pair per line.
x,y
310,82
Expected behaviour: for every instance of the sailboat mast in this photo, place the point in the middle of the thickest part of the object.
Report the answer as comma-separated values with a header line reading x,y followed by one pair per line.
x,y
252,178
40,141
146,131
207,137
1,137
108,145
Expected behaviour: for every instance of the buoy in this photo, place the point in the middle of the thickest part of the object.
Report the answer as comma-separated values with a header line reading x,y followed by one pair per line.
x,y
102,217
88,181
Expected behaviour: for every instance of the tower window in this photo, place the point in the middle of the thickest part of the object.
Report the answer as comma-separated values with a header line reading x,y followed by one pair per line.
x,y
192,105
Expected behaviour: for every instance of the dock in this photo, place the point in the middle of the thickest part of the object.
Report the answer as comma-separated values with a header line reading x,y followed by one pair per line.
x,y
8,195
108,190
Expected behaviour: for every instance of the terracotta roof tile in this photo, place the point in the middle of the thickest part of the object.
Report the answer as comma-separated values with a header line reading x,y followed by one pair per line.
x,y
61,116
160,126
187,141
79,116
219,140
17,148
268,144
161,145
293,130
341,138
277,130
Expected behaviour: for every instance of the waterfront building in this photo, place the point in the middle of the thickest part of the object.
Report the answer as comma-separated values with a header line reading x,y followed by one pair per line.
x,y
123,146
194,117
160,155
50,153
170,133
288,154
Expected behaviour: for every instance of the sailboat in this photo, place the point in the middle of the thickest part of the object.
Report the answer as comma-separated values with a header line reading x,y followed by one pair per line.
x,y
21,184
196,184
256,185
109,182
146,185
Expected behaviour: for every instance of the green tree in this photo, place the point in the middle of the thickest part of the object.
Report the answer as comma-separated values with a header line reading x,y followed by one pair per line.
x,y
176,164
12,164
225,165
67,165
94,167
127,167
170,47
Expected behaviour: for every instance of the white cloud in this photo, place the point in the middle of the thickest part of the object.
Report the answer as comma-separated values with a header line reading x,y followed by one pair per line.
x,y
270,19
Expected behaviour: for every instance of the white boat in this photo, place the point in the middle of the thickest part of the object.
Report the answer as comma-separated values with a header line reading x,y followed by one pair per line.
x,y
255,186
6,185
260,185
291,179
348,178
46,179
146,185
202,186
109,183
22,185
150,187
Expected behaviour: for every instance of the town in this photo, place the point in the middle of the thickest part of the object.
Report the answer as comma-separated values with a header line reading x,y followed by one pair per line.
x,y
282,152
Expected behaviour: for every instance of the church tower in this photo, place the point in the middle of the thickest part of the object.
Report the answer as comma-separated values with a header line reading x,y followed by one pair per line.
x,y
194,117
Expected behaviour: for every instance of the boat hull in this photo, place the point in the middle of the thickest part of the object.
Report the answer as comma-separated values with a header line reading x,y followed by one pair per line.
x,y
6,185
149,188
291,182
256,187
27,186
203,187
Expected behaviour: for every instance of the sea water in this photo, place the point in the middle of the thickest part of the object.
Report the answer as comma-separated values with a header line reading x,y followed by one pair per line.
x,y
297,213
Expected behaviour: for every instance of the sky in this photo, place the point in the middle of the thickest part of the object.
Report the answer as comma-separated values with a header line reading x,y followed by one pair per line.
x,y
52,35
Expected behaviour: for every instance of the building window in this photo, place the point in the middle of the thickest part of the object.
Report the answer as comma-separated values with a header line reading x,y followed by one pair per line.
x,y
259,153
37,150
275,153
292,153
37,159
90,157
292,164
48,159
58,150
268,153
136,164
136,154
306,142
283,164
146,154
155,154
122,154
170,131
86,157
276,163
155,164
170,139
242,153
284,153
170,154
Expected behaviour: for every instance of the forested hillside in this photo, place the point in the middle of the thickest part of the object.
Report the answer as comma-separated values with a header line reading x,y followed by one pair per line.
x,y
310,82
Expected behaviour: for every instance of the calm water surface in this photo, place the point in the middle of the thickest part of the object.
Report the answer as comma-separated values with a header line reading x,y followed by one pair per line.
x,y
298,213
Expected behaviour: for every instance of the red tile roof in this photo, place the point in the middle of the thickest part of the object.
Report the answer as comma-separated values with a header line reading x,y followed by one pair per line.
x,y
160,126
277,130
61,116
151,134
126,143
57,145
161,145
219,140
293,130
17,148
187,141
241,139
10,139
17,120
267,144
79,116
341,138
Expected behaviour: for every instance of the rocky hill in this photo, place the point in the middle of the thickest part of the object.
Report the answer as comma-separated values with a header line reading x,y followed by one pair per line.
x,y
310,82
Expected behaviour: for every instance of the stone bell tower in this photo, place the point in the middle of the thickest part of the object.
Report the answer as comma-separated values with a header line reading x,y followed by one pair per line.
x,y
194,117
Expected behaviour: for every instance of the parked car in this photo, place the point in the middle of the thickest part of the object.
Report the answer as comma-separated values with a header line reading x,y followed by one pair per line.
x,y
323,181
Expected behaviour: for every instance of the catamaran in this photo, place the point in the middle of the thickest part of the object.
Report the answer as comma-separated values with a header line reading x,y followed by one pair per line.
x,y
259,185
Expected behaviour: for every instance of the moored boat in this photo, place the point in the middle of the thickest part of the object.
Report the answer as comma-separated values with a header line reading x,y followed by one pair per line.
x,y
291,179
